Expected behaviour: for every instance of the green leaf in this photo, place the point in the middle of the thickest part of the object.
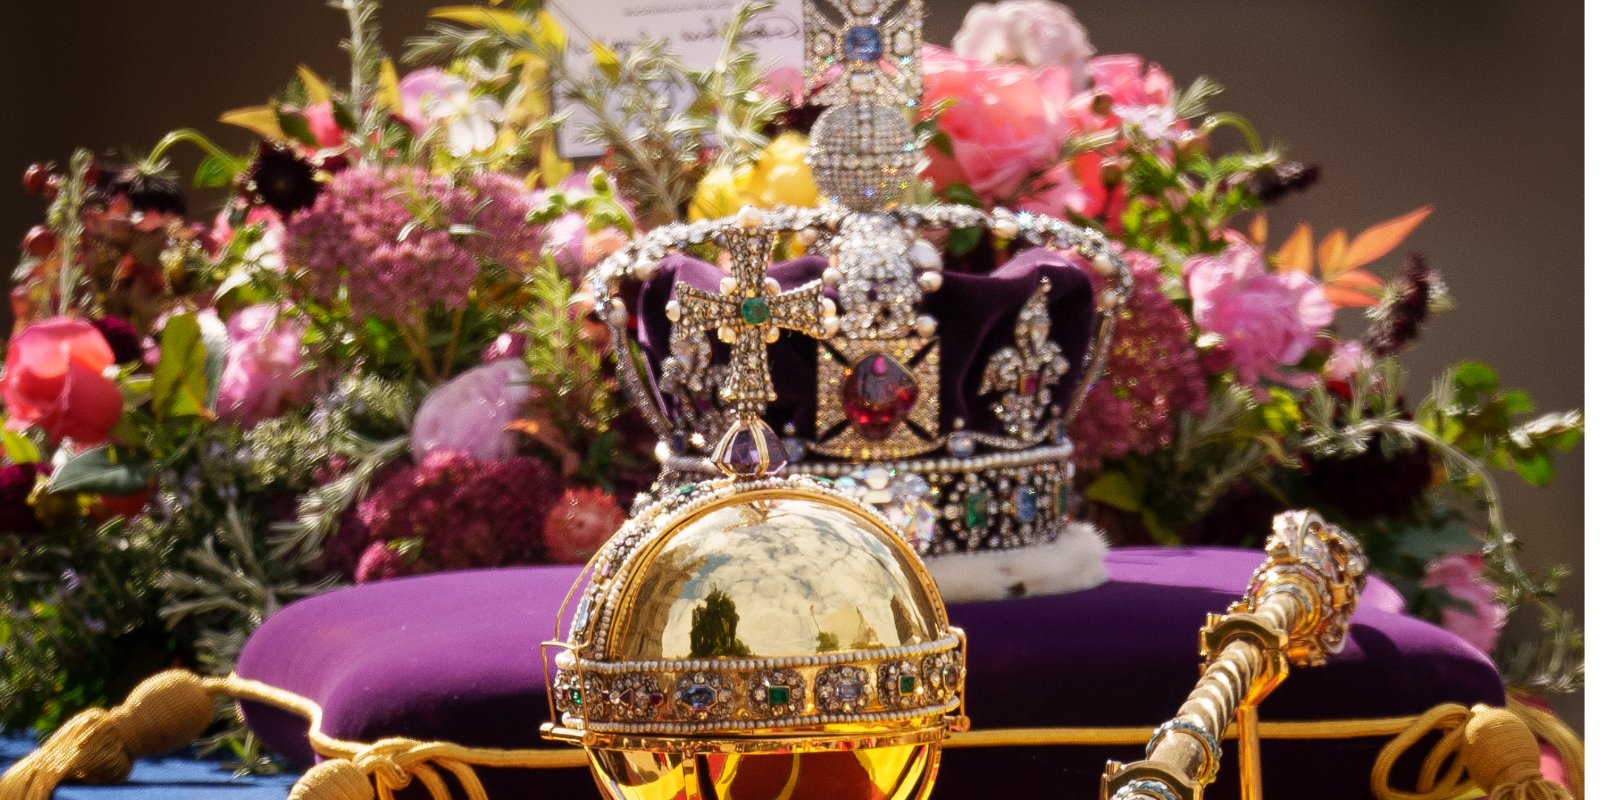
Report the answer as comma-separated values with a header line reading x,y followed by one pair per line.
x,y
101,470
962,194
237,280
215,172
1535,467
214,338
962,241
20,449
294,126
1475,377
1115,489
1515,402
179,388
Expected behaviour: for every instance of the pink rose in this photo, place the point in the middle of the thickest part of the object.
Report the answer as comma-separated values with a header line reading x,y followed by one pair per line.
x,y
1267,320
262,375
1007,122
1037,33
55,379
1140,96
1461,575
469,414
1075,185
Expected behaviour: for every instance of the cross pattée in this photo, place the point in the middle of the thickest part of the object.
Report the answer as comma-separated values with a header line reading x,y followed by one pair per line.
x,y
748,314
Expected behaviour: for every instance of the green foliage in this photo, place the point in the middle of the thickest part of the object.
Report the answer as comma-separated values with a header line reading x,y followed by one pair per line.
x,y
102,470
656,150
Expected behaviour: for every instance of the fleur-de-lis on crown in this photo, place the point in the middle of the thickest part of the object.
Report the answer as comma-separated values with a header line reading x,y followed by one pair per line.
x,y
1026,372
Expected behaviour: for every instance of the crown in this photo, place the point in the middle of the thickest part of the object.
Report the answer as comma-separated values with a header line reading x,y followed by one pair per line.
x,y
941,397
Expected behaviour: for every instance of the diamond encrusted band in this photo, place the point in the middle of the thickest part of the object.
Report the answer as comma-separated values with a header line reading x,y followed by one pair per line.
x,y
699,695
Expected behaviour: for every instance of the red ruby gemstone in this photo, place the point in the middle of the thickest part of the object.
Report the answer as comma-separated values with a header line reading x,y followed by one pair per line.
x,y
1030,383
878,393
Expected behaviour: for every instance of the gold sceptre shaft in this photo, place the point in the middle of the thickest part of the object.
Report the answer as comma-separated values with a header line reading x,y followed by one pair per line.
x,y
1296,611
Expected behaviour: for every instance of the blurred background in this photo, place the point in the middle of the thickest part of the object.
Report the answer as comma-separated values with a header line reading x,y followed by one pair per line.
x,y
1474,108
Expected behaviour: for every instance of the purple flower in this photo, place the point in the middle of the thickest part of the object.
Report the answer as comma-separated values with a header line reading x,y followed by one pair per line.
x,y
262,375
469,414
1269,320
127,346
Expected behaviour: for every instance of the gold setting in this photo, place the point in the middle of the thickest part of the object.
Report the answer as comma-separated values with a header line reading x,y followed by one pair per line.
x,y
916,434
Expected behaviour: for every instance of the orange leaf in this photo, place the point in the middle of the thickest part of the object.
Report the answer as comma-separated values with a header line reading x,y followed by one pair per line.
x,y
1356,288
1258,229
1330,254
1376,242
1295,254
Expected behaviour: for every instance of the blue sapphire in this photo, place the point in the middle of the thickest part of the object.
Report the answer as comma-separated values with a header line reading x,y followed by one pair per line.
x,y
863,43
698,698
1026,502
848,690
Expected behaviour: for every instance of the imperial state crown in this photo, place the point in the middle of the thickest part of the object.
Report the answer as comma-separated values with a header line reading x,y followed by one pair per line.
x,y
940,397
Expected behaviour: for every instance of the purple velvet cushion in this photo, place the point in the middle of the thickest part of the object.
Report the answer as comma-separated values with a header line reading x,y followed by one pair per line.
x,y
977,316
454,656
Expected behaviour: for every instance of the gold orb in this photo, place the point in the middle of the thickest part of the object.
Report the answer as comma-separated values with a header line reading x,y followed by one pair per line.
x,y
757,639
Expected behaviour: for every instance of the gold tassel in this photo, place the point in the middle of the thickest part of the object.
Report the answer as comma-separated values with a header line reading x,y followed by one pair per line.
x,y
164,713
333,780
1502,756
1490,748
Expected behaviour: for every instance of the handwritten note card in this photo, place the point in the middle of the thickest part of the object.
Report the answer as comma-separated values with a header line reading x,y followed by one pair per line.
x,y
692,29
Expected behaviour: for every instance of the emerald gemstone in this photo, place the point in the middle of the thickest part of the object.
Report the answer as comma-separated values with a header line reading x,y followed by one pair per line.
x,y
576,696
755,311
687,489
908,684
1063,498
777,695
978,509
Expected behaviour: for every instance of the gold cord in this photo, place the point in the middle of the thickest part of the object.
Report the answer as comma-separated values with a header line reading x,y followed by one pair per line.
x,y
172,708
1490,748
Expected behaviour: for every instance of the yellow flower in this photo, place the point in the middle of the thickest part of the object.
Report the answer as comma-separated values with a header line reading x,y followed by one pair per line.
x,y
779,177
716,196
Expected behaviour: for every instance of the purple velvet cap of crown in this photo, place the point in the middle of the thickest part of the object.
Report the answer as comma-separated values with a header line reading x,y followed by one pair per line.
x,y
454,656
977,316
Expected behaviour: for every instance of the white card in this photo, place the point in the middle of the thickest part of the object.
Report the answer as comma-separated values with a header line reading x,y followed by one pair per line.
x,y
692,29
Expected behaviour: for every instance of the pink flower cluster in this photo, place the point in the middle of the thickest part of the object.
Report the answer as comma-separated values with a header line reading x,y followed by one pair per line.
x,y
1152,374
1021,84
1266,320
384,239
463,513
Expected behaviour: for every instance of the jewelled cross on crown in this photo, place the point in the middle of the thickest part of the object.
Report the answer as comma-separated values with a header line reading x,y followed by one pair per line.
x,y
748,314
849,44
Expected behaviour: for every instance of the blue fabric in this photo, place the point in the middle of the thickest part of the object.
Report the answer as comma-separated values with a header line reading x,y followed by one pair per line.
x,y
177,777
